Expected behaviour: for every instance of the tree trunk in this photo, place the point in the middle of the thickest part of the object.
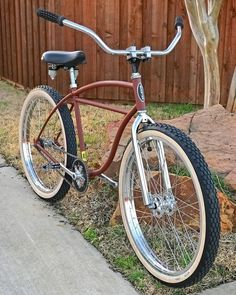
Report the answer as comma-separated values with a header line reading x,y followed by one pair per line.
x,y
211,77
204,26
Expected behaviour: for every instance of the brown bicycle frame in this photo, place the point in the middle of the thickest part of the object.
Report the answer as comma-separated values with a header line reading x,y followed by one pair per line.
x,y
75,100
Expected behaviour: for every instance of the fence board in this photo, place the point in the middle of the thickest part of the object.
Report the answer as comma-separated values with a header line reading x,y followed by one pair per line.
x,y
182,60
24,52
36,55
42,44
178,77
88,45
18,48
111,37
4,70
1,52
8,40
101,57
159,40
12,38
130,34
229,55
30,43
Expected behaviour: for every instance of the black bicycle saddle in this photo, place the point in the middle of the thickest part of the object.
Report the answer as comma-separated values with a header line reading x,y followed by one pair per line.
x,y
66,59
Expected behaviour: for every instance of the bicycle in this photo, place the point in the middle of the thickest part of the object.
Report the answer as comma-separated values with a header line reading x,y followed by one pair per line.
x,y
167,198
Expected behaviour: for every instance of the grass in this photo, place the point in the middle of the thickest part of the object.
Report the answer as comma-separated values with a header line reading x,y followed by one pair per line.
x,y
91,213
179,170
129,265
170,111
221,185
90,234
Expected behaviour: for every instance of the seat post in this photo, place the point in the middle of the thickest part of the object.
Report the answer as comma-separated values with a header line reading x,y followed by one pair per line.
x,y
73,77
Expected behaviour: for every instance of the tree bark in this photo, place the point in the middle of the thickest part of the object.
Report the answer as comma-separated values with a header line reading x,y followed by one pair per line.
x,y
203,23
211,78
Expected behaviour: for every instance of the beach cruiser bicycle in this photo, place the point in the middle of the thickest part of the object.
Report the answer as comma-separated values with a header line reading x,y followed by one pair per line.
x,y
167,199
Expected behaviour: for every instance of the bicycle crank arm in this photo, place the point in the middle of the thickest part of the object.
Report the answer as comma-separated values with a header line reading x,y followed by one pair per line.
x,y
72,174
108,180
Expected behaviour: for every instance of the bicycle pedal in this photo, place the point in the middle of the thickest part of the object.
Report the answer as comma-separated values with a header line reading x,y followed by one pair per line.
x,y
55,166
51,166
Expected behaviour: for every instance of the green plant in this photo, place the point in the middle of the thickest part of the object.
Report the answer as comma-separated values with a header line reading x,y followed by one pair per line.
x,y
129,265
91,235
221,185
126,262
178,170
136,276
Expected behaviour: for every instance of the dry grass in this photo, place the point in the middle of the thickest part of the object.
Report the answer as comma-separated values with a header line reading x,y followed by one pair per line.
x,y
91,213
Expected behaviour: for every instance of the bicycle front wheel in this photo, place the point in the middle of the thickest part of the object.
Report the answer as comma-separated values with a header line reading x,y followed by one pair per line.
x,y
176,240
57,139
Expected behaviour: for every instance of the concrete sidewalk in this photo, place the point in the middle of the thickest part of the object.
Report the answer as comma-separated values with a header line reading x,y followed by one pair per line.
x,y
226,289
40,254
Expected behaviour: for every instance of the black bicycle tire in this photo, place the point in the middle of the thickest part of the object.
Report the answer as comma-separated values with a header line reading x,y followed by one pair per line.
x,y
209,196
70,140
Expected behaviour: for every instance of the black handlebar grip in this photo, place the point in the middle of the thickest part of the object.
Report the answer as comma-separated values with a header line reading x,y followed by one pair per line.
x,y
179,22
52,17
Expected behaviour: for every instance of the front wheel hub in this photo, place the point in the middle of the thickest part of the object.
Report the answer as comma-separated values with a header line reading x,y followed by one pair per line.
x,y
163,204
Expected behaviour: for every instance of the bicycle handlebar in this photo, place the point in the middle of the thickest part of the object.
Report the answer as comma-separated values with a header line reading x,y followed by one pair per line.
x,y
145,52
50,16
179,22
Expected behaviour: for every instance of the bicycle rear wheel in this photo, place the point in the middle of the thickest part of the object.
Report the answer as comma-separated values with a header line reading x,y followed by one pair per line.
x,y
58,139
177,240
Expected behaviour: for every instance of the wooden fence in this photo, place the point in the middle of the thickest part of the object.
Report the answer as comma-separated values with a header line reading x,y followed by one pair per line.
x,y
175,78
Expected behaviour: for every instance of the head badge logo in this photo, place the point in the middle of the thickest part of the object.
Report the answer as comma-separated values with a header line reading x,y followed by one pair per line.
x,y
141,92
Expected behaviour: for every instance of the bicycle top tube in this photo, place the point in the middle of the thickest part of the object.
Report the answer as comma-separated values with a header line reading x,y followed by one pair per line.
x,y
144,52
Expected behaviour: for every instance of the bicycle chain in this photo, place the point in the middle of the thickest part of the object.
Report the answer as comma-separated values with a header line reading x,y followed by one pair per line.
x,y
56,147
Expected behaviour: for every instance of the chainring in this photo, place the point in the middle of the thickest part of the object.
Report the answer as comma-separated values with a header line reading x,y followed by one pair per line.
x,y
81,181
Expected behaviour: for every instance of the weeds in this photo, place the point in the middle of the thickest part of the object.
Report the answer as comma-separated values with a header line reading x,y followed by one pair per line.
x,y
130,266
220,184
90,214
126,262
91,235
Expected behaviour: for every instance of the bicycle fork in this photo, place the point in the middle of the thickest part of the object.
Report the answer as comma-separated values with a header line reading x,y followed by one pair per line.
x,y
147,197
